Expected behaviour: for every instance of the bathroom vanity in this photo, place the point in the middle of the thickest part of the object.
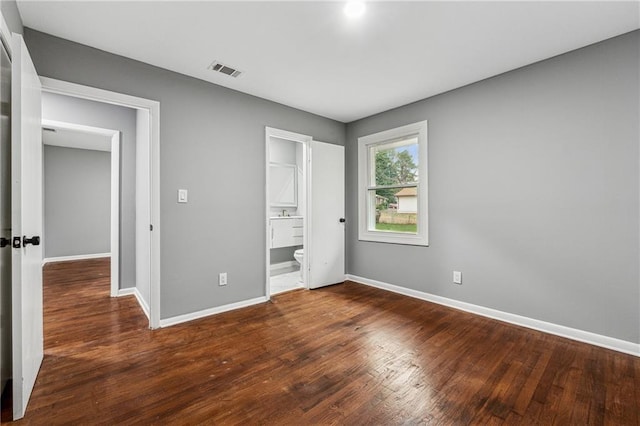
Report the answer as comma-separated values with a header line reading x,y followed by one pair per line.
x,y
286,231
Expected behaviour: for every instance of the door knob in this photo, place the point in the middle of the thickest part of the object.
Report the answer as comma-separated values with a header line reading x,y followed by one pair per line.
x,y
34,240
343,220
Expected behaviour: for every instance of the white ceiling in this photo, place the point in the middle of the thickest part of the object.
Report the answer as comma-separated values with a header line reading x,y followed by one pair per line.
x,y
308,55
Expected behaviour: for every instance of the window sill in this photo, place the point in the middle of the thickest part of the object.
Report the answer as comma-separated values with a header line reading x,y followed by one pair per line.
x,y
394,238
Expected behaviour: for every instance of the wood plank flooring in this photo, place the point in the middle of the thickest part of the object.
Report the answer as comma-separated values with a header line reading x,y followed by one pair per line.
x,y
346,354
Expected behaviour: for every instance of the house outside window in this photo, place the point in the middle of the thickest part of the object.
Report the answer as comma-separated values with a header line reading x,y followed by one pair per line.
x,y
392,186
407,200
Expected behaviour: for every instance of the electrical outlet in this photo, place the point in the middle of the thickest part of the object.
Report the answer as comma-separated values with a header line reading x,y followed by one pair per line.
x,y
457,277
222,278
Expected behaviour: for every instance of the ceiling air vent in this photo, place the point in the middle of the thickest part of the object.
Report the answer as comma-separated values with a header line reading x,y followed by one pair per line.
x,y
224,69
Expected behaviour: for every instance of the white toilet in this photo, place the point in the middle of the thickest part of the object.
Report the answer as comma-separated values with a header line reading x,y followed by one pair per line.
x,y
299,256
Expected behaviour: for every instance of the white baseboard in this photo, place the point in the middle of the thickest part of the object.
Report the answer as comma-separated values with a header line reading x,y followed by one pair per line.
x,y
211,311
76,257
142,302
283,265
134,291
126,291
547,327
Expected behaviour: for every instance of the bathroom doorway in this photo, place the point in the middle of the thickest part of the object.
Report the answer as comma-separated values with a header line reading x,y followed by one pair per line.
x,y
286,200
305,208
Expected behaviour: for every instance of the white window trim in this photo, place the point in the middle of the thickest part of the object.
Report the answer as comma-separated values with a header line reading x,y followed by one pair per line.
x,y
421,238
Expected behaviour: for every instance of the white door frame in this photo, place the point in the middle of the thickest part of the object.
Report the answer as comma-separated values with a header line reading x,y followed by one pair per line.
x,y
153,109
114,136
305,141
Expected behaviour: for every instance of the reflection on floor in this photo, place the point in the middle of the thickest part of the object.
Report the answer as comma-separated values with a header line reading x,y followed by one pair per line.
x,y
285,282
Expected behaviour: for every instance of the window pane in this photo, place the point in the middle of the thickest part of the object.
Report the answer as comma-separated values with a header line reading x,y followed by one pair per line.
x,y
394,210
396,163
392,186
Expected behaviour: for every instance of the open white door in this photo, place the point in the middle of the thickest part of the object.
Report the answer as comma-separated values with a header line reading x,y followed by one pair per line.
x,y
326,251
26,223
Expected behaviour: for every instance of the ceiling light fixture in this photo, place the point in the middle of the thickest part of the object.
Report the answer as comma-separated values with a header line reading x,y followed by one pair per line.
x,y
354,9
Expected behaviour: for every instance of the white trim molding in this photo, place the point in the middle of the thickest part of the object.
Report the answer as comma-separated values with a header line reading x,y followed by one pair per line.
x,y
612,343
126,291
211,311
76,257
5,34
283,265
132,291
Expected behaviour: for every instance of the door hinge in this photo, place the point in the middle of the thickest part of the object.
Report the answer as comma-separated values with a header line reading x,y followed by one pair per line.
x,y
150,227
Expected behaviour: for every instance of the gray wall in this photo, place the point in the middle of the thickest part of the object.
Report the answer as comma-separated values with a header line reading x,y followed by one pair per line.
x,y
77,201
11,15
211,143
533,193
534,185
89,113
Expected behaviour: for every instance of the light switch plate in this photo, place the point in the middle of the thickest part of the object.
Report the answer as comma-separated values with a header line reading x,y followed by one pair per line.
x,y
457,277
183,195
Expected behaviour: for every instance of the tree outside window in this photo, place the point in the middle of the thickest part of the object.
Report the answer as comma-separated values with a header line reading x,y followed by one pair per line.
x,y
396,177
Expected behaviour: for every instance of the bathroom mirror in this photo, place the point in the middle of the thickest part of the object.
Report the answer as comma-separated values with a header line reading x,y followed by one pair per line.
x,y
283,185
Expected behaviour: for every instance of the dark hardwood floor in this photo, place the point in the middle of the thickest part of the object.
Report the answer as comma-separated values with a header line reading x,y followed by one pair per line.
x,y
346,354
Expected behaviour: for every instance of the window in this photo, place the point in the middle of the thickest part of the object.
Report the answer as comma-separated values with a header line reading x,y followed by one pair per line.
x,y
392,186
